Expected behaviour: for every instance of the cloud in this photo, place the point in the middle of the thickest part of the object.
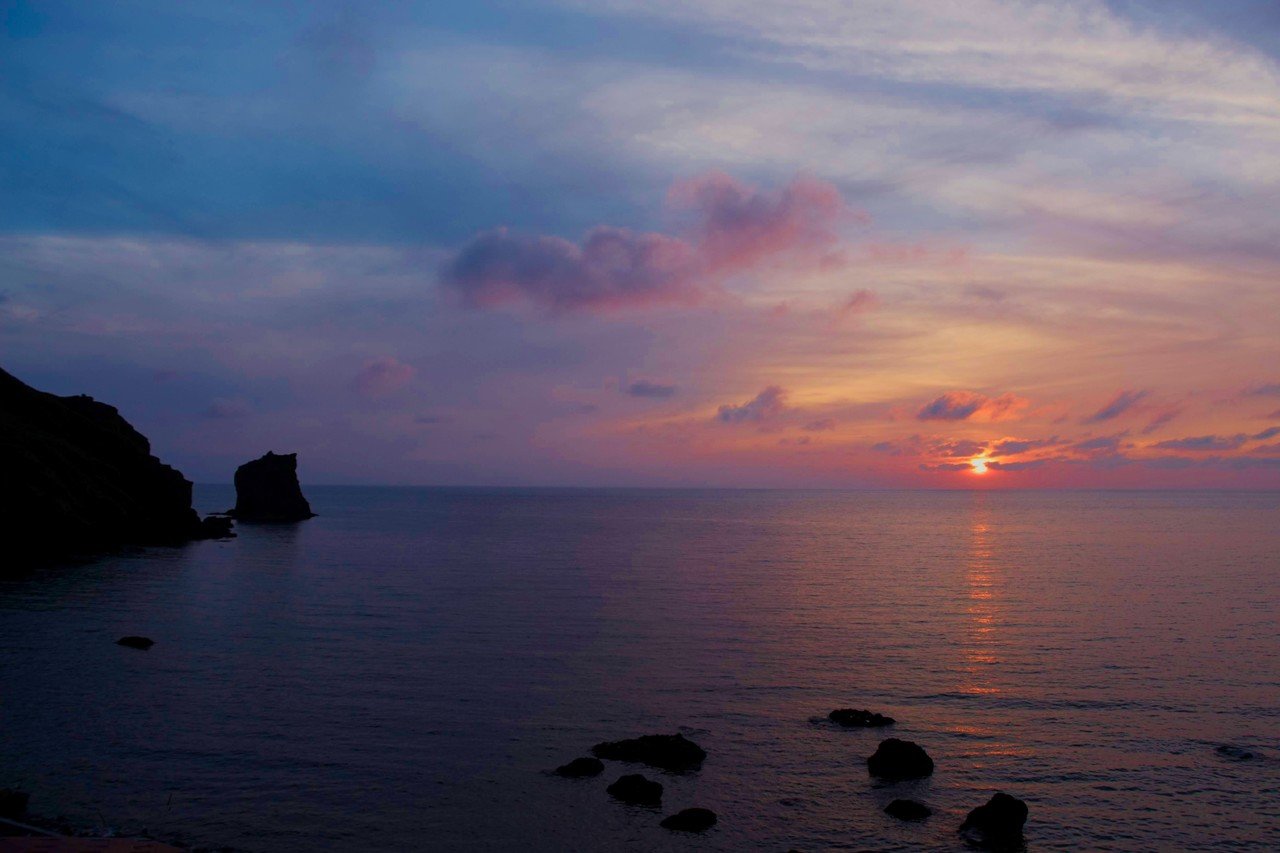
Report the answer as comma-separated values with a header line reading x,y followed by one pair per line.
x,y
654,390
766,405
1204,443
1015,446
736,228
228,408
1101,444
1272,432
1266,389
966,405
1160,420
860,302
381,377
740,225
820,425
1120,404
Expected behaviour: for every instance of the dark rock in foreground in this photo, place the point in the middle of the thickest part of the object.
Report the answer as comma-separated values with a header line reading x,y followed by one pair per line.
x,y
853,718
666,752
908,810
580,767
998,823
691,820
899,759
267,490
143,643
13,803
637,789
78,479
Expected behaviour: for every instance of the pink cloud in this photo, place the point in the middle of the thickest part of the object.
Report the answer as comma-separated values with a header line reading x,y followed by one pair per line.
x,y
766,405
741,226
967,405
737,227
380,377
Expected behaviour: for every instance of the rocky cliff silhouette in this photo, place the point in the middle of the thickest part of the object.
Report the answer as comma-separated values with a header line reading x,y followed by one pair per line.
x,y
78,479
267,490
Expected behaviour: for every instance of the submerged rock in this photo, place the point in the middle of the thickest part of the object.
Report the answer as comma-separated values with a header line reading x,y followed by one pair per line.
x,y
908,810
267,489
78,479
13,803
899,759
580,767
997,823
1236,753
853,718
691,820
142,643
216,527
666,752
637,789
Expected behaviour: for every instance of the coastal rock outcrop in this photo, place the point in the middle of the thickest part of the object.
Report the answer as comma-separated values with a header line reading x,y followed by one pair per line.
x,y
580,767
79,479
142,643
690,820
899,759
908,810
637,790
666,752
267,490
853,718
997,823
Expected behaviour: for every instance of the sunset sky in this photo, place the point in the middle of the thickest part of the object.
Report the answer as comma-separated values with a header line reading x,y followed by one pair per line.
x,y
873,243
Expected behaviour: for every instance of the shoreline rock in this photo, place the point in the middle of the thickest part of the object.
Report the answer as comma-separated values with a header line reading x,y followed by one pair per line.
x,y
580,768
854,718
637,790
267,490
81,481
666,752
141,643
997,823
896,759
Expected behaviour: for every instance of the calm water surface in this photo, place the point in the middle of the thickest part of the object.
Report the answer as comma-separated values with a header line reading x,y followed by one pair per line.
x,y
397,673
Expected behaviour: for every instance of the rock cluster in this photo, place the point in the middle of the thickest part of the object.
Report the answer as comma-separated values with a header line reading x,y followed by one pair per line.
x,y
78,479
673,753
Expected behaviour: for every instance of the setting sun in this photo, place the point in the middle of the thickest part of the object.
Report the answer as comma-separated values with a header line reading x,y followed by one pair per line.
x,y
979,465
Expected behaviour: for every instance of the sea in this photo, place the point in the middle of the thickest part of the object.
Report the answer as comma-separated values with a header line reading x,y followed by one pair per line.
x,y
401,672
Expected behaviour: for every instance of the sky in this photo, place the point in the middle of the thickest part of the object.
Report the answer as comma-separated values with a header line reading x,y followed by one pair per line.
x,y
757,243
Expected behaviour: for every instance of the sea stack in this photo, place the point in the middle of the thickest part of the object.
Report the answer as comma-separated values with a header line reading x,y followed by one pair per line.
x,y
267,490
79,479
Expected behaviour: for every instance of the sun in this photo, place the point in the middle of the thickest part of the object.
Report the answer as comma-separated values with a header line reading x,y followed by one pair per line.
x,y
979,465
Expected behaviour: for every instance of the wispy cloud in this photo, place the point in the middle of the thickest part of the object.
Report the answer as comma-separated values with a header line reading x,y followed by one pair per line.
x,y
653,390
765,406
1121,403
967,405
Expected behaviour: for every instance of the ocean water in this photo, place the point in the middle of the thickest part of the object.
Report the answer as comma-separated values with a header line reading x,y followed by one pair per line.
x,y
400,672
